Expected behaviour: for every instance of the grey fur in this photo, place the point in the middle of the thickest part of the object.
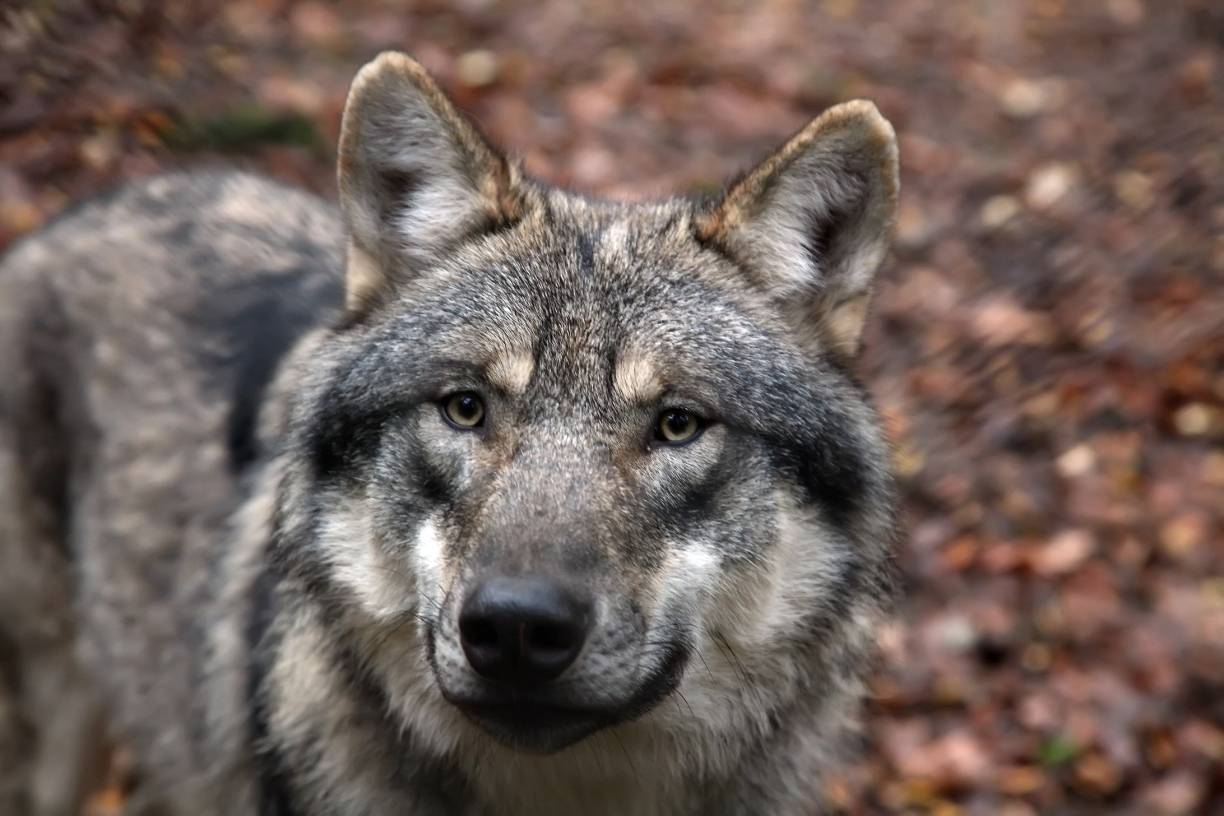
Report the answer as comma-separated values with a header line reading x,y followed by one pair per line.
x,y
227,494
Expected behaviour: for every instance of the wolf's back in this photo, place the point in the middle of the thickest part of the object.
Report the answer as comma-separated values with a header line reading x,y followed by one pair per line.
x,y
137,335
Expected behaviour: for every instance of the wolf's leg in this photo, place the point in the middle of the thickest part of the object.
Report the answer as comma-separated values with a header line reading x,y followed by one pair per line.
x,y
49,714
14,735
69,752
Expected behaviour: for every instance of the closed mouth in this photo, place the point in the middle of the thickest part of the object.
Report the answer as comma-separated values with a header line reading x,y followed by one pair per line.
x,y
535,722
533,727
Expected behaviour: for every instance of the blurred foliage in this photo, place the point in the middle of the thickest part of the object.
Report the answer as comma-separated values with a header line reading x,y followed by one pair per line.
x,y
243,129
1059,750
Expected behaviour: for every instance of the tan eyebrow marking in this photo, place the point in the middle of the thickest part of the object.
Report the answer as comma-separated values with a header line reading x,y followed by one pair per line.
x,y
637,379
511,371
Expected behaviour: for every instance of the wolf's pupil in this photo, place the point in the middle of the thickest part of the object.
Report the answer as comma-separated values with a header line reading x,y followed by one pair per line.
x,y
677,426
465,410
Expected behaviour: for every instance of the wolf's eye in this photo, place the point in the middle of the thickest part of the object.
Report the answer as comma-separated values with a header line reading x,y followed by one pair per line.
x,y
464,410
677,427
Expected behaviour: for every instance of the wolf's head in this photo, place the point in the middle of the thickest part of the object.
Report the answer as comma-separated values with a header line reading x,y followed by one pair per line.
x,y
565,459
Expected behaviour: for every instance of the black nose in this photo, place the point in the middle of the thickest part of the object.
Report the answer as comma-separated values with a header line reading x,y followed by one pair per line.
x,y
522,630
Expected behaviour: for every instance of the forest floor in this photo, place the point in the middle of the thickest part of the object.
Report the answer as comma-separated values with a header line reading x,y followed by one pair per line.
x,y
1047,345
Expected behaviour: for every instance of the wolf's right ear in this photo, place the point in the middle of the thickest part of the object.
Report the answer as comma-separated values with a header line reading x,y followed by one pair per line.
x,y
415,177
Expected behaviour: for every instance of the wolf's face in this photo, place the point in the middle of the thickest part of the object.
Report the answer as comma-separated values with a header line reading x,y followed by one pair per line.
x,y
562,451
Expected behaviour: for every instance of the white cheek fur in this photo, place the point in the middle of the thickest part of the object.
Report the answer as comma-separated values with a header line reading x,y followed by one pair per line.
x,y
346,536
429,559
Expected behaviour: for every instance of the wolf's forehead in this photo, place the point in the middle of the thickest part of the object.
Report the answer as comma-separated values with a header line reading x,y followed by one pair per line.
x,y
594,272
606,302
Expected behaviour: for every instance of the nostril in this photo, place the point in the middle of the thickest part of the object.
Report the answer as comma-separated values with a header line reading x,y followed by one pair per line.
x,y
551,638
478,632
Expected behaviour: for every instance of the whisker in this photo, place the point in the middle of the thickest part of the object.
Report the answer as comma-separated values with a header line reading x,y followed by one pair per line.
x,y
680,694
701,657
625,751
737,665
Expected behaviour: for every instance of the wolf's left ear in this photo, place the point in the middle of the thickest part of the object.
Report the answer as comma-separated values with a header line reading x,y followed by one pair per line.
x,y
812,222
415,177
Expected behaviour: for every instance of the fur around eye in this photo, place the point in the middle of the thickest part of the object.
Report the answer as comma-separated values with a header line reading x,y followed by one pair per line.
x,y
677,426
464,411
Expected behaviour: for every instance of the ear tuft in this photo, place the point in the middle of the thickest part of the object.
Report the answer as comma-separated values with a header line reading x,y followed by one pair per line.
x,y
416,179
812,222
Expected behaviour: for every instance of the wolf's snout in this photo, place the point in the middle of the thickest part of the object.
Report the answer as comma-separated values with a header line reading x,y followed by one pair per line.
x,y
523,631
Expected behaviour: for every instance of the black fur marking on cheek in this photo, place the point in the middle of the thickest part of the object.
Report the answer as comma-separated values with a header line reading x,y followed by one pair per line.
x,y
343,433
431,484
697,498
340,439
416,483
804,417
380,384
832,473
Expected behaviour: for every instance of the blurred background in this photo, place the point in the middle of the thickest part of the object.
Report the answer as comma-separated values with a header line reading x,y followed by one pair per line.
x,y
1047,345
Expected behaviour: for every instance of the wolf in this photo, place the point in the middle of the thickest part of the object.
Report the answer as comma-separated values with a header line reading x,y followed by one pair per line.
x,y
477,496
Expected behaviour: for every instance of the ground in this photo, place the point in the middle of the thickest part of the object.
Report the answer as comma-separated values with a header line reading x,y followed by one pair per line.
x,y
1047,344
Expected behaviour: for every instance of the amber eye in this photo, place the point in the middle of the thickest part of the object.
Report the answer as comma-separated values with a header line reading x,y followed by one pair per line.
x,y
677,427
464,410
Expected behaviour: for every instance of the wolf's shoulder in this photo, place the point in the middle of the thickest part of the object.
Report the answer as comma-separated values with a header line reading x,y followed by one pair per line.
x,y
203,192
209,217
195,282
189,246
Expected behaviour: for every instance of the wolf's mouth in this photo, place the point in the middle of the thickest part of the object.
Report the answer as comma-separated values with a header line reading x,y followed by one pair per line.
x,y
536,722
533,727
